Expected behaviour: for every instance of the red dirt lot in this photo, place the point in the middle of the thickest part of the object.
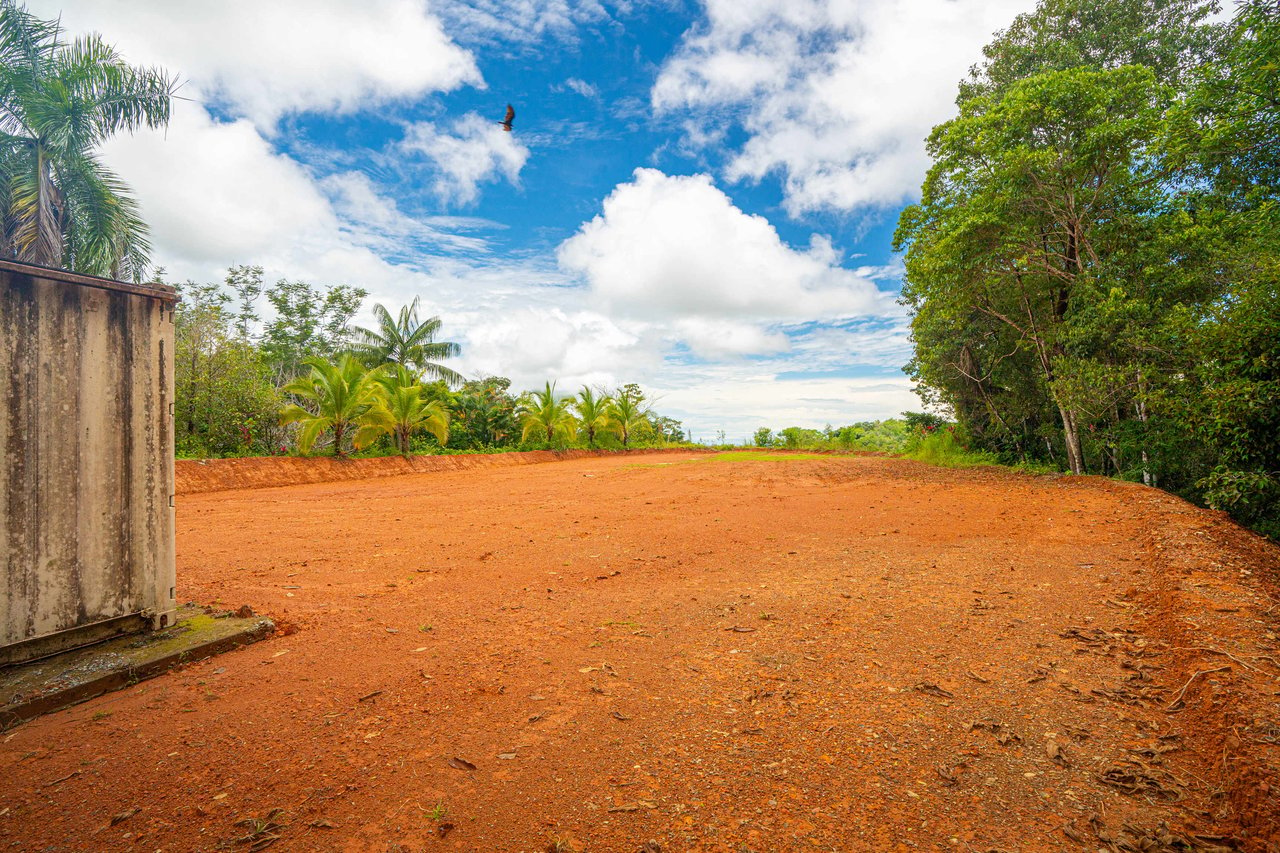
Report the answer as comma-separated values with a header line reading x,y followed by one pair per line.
x,y
691,653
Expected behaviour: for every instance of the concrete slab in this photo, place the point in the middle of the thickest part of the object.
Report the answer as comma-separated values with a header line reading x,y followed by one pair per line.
x,y
38,687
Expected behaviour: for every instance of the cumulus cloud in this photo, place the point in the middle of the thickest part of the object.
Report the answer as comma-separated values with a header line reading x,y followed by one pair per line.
x,y
678,247
576,347
217,192
836,96
262,60
472,151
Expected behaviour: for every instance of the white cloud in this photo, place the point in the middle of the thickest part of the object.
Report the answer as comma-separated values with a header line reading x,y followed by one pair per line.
x,y
837,96
519,21
678,247
266,59
719,338
741,400
582,87
377,220
575,347
217,192
474,150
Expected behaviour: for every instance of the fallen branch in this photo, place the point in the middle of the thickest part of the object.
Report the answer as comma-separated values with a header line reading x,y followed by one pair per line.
x,y
1216,652
1176,704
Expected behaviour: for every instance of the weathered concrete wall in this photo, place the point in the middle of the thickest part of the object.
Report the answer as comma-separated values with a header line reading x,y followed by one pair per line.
x,y
87,438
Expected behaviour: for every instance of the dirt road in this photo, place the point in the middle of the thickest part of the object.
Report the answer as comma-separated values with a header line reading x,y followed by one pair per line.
x,y
698,653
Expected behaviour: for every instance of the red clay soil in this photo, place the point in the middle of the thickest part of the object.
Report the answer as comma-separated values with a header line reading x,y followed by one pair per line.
x,y
196,476
691,653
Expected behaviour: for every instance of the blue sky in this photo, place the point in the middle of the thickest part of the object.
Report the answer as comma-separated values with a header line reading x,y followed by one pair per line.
x,y
699,195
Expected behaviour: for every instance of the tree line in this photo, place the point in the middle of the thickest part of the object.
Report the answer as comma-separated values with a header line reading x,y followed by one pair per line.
x,y
307,379
891,435
1093,269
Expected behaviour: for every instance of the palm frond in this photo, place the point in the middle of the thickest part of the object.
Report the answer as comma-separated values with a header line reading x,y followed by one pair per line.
x,y
26,42
114,95
106,234
312,429
366,435
35,210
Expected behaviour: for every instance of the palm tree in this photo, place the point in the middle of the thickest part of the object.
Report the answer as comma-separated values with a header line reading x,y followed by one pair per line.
x,y
58,204
404,340
542,412
594,413
404,408
341,396
628,413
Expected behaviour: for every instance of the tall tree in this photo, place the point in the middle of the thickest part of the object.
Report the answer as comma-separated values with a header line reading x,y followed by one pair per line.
x,y
404,339
594,414
1031,191
310,322
628,411
224,400
1225,139
59,205
246,283
545,415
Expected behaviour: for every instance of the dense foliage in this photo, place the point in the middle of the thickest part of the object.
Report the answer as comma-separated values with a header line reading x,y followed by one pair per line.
x,y
1093,266
305,379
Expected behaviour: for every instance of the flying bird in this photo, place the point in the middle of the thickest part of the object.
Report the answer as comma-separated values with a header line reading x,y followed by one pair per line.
x,y
510,117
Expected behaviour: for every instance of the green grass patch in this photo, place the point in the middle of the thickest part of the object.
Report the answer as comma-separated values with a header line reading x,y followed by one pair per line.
x,y
758,455
942,448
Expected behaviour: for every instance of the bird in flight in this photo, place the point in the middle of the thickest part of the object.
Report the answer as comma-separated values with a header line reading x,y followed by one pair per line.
x,y
510,117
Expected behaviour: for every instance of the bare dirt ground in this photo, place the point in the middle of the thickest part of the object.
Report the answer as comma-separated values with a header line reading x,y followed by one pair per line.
x,y
691,654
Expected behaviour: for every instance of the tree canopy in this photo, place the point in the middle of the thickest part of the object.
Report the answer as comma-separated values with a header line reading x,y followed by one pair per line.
x,y
1091,269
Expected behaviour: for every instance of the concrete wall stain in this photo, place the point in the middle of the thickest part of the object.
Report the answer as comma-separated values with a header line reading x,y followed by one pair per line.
x,y
88,456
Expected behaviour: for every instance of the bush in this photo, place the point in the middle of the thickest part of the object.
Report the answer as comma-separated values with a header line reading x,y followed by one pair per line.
x,y
943,447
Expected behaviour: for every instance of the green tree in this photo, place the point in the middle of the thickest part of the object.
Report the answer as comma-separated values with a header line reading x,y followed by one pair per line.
x,y
794,438
1225,137
340,397
628,411
594,413
310,322
1169,37
224,401
245,282
404,406
404,339
1031,192
59,205
483,413
545,415
668,430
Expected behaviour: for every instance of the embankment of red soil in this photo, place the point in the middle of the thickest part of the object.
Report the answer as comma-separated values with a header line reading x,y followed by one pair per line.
x,y
197,476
